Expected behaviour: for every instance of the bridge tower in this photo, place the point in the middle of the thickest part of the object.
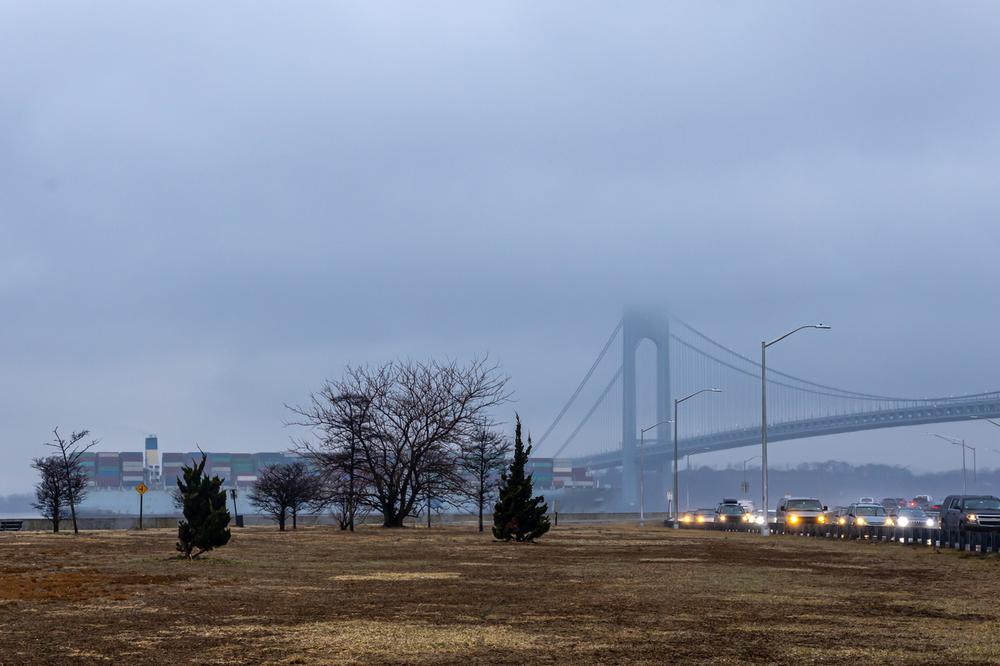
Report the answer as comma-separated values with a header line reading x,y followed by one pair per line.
x,y
636,327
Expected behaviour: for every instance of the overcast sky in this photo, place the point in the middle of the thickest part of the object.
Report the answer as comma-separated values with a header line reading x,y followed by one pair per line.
x,y
206,210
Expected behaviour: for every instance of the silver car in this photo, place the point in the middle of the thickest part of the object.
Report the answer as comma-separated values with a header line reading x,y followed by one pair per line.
x,y
914,518
865,515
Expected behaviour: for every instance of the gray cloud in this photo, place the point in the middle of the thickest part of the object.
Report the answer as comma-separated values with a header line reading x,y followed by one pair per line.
x,y
206,210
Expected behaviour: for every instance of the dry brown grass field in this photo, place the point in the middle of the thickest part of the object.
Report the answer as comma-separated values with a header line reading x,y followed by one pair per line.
x,y
584,594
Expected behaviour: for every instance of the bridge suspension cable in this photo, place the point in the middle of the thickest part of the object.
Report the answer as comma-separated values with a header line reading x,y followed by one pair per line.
x,y
841,392
696,360
576,393
590,412
853,396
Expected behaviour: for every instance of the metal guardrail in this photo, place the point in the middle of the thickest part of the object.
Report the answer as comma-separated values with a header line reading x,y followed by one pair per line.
x,y
984,541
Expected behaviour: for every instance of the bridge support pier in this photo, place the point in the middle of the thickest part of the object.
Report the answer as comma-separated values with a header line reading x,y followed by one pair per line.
x,y
637,327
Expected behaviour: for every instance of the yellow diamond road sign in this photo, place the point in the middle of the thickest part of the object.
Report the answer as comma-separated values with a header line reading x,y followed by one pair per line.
x,y
141,489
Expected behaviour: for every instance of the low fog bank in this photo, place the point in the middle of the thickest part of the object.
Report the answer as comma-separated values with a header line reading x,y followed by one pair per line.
x,y
834,483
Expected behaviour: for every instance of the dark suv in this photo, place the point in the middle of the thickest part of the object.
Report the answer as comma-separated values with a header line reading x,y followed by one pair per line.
x,y
970,512
729,514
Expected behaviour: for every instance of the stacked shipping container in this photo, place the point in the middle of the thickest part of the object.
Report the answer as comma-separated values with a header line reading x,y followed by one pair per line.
x,y
562,473
220,465
133,468
88,463
109,472
540,470
125,470
558,473
244,474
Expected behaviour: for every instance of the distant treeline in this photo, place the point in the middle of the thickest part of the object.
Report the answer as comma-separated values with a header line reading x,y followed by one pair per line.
x,y
834,483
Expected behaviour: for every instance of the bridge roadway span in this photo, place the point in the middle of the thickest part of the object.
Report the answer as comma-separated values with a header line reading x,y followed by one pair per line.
x,y
660,452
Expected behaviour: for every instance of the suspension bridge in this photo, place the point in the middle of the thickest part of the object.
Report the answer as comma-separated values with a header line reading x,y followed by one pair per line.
x,y
598,427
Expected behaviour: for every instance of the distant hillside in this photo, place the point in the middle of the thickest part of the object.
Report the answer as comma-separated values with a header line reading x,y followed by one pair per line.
x,y
17,505
833,482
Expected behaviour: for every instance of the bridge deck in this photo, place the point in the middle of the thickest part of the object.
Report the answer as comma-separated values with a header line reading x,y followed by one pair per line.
x,y
985,407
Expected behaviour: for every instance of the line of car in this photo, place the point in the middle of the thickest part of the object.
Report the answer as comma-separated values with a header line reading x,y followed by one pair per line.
x,y
957,512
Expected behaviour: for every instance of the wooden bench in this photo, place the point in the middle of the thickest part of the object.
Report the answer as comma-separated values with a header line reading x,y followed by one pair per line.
x,y
11,525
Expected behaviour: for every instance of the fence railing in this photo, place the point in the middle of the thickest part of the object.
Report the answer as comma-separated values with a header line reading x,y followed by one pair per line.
x,y
976,541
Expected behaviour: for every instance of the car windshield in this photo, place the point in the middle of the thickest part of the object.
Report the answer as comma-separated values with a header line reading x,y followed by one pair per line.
x,y
980,503
869,511
804,505
912,513
732,509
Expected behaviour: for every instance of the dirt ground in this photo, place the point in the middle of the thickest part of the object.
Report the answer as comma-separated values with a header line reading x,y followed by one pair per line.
x,y
584,594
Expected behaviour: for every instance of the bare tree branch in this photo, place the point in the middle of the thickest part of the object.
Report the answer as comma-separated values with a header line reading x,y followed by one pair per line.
x,y
397,430
70,452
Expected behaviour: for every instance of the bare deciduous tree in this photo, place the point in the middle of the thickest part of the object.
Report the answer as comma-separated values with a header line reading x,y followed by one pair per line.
x,y
340,424
442,482
70,450
484,456
283,489
404,423
343,486
51,491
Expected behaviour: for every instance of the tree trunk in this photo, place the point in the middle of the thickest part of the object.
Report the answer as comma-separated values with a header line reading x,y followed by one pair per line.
x,y
350,488
281,521
72,510
295,517
55,525
392,518
481,502
69,489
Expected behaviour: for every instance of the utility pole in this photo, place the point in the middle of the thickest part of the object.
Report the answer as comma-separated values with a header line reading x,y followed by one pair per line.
x,y
745,488
642,471
677,402
765,528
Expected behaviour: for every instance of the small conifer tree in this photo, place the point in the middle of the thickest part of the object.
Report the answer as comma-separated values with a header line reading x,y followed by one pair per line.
x,y
206,518
517,515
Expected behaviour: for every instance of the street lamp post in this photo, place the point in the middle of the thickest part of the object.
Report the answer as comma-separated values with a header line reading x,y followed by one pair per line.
x,y
642,472
236,513
677,525
687,488
765,529
961,442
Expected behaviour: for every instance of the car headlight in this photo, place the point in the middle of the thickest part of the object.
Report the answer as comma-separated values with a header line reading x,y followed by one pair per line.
x,y
971,517
685,519
889,522
793,519
903,521
701,519
930,522
759,520
821,519
861,521
842,521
